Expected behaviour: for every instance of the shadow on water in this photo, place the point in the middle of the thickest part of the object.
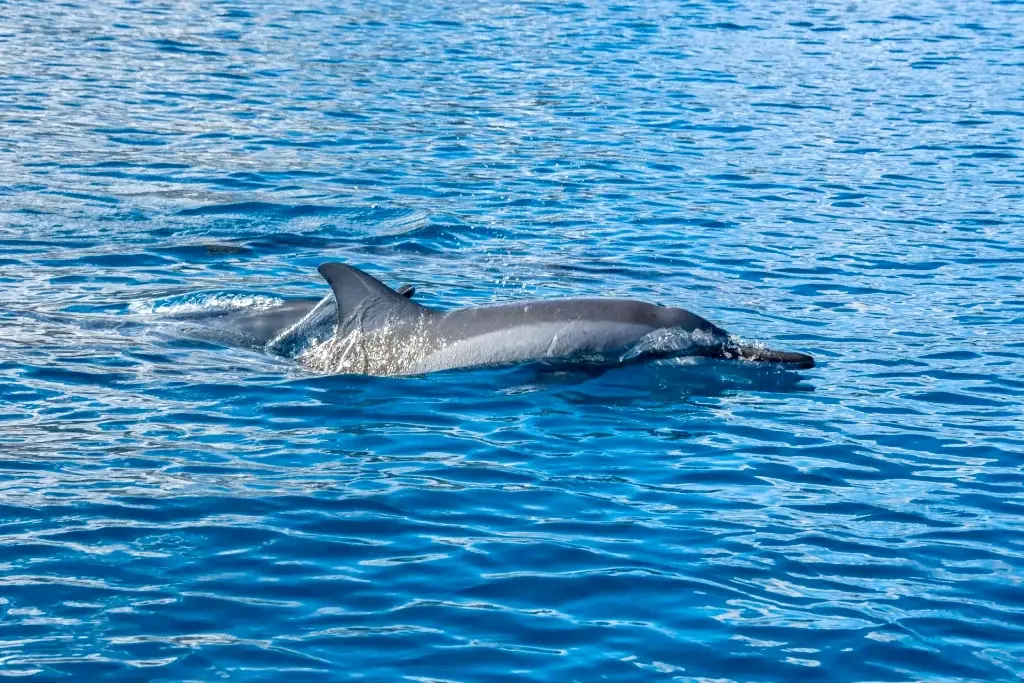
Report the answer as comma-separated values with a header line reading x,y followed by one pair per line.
x,y
661,382
656,382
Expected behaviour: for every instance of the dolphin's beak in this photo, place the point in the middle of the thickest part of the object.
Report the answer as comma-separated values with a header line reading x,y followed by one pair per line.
x,y
754,353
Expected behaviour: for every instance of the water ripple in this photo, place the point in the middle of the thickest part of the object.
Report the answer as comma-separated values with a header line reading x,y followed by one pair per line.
x,y
841,178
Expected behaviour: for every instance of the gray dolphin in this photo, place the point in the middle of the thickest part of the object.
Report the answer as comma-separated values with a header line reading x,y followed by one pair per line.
x,y
366,327
262,328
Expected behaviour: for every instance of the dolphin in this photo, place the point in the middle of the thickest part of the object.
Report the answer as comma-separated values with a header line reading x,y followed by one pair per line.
x,y
262,328
366,327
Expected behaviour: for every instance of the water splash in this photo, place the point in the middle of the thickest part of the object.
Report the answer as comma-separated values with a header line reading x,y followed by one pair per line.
x,y
203,304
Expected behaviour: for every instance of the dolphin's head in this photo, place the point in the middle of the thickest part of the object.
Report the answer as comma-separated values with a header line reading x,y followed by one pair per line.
x,y
719,344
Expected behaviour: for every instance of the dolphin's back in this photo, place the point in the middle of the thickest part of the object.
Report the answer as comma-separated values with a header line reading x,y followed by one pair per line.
x,y
540,319
255,328
534,330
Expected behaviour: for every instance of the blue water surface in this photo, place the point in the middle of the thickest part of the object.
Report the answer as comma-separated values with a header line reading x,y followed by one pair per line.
x,y
839,178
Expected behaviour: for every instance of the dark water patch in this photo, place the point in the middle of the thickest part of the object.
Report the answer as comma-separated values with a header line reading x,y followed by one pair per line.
x,y
952,355
956,398
178,47
136,260
72,377
191,252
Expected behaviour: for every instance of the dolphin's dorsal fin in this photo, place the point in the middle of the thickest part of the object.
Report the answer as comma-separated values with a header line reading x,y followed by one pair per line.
x,y
406,290
356,292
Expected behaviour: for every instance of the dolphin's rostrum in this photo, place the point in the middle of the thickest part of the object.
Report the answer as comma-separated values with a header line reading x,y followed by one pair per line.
x,y
366,327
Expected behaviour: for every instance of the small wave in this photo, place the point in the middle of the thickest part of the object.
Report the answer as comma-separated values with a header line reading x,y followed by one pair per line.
x,y
202,304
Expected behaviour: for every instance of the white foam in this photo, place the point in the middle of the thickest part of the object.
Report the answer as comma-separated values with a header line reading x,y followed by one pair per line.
x,y
202,304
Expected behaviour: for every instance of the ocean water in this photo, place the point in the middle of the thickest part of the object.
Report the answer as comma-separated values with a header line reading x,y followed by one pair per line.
x,y
839,178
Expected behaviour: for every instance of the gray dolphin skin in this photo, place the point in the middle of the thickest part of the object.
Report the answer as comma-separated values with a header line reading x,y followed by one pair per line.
x,y
258,328
262,328
368,328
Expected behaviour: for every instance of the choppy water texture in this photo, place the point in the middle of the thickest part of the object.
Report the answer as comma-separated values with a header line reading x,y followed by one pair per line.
x,y
840,179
